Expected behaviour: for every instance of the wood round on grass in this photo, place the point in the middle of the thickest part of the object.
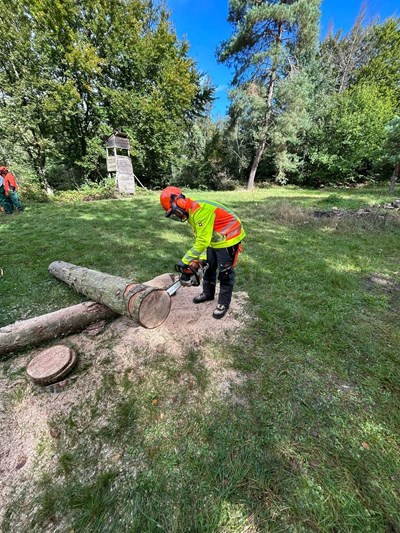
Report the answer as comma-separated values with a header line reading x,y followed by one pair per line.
x,y
51,365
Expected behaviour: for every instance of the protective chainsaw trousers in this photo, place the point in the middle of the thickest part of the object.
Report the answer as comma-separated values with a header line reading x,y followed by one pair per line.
x,y
223,261
14,200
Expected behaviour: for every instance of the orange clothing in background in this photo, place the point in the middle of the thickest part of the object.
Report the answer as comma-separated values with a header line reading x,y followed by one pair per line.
x,y
10,182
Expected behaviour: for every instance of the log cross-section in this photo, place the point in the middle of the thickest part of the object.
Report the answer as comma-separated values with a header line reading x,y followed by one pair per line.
x,y
148,306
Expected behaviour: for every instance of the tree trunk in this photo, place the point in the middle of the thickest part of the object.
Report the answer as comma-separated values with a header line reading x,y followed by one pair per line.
x,y
52,325
263,142
256,160
63,322
148,306
394,177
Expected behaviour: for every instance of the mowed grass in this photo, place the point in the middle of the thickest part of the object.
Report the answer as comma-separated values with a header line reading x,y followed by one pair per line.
x,y
312,442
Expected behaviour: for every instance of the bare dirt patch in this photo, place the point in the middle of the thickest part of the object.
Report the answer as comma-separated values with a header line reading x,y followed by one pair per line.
x,y
386,285
26,409
368,217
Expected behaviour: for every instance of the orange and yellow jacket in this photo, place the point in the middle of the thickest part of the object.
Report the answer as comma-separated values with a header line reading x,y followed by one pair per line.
x,y
9,181
214,225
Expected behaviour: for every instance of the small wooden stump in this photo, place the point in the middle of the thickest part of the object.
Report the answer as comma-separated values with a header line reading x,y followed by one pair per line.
x,y
51,365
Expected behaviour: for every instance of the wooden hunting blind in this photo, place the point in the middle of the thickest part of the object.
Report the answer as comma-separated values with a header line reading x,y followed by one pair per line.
x,y
119,161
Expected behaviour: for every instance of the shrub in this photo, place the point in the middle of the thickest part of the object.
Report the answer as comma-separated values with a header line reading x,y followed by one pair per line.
x,y
89,192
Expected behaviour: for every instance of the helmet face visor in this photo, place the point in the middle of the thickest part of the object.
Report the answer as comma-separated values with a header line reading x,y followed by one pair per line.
x,y
177,214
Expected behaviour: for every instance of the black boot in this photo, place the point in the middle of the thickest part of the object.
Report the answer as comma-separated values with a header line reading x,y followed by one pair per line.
x,y
220,311
200,298
207,294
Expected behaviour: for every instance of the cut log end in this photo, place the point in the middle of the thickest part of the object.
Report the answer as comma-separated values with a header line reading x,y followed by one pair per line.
x,y
150,307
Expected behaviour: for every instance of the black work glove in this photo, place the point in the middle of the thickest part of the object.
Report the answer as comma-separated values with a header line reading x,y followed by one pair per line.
x,y
180,266
185,272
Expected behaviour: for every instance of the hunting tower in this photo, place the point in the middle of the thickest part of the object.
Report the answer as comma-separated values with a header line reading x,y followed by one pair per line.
x,y
119,161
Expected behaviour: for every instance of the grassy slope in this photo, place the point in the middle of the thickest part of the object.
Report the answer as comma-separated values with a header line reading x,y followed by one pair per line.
x,y
314,444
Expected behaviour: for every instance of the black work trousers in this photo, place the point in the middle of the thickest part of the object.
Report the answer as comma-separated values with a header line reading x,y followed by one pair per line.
x,y
220,259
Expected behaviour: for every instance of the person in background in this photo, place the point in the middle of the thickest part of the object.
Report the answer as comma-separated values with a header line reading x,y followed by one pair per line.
x,y
218,232
10,186
5,202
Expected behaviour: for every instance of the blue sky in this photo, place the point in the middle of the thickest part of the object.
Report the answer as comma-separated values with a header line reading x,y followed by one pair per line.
x,y
203,23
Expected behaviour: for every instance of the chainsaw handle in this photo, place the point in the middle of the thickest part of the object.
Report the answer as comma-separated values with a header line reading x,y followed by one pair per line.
x,y
193,272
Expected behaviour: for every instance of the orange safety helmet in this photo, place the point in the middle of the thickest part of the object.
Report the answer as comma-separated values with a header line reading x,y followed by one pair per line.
x,y
174,202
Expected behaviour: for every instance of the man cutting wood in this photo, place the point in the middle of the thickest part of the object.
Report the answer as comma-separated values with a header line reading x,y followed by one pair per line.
x,y
218,232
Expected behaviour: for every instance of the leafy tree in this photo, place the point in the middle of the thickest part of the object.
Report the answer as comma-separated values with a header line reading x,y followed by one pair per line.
x,y
204,162
269,38
245,127
383,65
71,73
350,142
346,142
294,100
392,150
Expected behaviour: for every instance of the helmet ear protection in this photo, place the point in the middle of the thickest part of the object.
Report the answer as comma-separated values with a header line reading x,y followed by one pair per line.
x,y
178,202
178,211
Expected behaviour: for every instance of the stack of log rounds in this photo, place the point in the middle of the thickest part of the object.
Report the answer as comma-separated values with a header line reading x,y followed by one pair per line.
x,y
52,365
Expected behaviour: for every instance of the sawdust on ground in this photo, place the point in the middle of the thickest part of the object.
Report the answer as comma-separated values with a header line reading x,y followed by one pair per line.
x,y
27,409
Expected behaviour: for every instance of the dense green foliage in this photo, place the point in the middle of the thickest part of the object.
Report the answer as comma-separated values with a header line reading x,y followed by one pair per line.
x,y
302,111
355,126
73,72
271,40
322,113
290,424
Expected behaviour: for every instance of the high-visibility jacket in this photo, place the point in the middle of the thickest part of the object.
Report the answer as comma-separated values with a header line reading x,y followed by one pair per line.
x,y
10,182
214,225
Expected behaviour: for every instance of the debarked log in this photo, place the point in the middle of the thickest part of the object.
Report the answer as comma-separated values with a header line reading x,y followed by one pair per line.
x,y
51,326
147,306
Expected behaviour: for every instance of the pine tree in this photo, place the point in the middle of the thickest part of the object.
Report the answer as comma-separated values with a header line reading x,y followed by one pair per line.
x,y
269,40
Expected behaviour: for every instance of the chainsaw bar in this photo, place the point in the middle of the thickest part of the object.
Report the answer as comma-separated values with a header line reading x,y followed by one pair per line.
x,y
172,290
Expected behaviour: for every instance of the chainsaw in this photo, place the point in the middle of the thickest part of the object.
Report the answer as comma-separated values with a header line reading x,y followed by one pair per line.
x,y
191,276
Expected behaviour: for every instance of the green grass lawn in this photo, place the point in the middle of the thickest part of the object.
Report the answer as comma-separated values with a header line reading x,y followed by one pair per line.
x,y
313,445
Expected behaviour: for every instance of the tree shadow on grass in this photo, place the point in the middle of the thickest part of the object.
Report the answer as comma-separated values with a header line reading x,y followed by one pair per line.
x,y
119,238
308,440
305,441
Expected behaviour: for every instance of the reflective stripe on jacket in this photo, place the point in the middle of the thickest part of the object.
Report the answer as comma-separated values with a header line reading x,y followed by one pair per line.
x,y
214,225
10,181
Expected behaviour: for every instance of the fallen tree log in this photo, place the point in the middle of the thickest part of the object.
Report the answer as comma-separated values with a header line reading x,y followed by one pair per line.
x,y
147,306
52,325
67,321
